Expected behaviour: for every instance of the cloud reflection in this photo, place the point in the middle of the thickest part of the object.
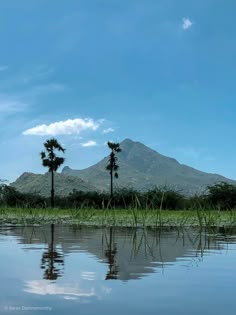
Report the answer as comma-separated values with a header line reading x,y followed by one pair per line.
x,y
41,287
67,291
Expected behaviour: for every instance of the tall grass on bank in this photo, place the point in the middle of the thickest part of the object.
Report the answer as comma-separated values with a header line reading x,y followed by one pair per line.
x,y
143,218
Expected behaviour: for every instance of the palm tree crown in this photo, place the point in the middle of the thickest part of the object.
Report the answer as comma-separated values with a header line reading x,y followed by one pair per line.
x,y
50,159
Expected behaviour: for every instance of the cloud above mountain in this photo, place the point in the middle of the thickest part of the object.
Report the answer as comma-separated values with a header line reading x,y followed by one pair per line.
x,y
186,23
66,127
108,130
90,143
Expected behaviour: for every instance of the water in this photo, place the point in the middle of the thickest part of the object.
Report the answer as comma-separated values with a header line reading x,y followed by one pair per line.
x,y
66,269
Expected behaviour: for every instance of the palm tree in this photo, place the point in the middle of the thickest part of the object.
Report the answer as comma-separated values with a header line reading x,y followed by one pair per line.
x,y
112,166
51,161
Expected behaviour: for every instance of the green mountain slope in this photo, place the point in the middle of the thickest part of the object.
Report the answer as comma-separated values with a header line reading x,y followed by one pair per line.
x,y
41,184
142,168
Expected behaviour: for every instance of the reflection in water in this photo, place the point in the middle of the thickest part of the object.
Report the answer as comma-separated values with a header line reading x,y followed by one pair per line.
x,y
110,254
164,260
69,291
128,253
52,261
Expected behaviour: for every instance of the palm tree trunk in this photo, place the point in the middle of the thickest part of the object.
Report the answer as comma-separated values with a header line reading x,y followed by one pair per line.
x,y
52,190
111,194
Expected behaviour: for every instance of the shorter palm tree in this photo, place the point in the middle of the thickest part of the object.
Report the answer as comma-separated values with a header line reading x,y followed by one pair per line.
x,y
112,166
51,161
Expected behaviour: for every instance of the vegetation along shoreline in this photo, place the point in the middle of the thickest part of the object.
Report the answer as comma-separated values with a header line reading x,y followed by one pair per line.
x,y
156,207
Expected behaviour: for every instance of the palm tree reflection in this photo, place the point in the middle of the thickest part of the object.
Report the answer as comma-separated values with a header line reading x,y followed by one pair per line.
x,y
110,254
52,261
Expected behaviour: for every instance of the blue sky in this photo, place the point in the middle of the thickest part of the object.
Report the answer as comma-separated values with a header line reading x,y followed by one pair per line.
x,y
87,71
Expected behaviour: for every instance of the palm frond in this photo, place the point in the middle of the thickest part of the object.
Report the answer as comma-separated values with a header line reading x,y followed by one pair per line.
x,y
43,155
47,163
58,161
52,144
50,159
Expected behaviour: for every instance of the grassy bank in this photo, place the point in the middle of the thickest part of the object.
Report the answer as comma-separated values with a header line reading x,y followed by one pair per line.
x,y
123,218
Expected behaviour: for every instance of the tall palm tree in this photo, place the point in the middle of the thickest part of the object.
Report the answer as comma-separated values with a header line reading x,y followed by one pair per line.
x,y
51,161
112,166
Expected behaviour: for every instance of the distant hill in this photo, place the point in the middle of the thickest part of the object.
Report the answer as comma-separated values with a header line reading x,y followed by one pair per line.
x,y
143,168
41,184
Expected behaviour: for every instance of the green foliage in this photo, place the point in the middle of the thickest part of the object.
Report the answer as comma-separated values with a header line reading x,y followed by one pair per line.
x,y
164,198
10,197
197,202
222,195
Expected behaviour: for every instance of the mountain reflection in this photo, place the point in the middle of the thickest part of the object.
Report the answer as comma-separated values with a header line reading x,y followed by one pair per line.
x,y
127,253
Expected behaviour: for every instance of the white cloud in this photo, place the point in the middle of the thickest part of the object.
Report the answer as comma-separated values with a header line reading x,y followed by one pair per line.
x,y
90,143
108,130
187,23
67,127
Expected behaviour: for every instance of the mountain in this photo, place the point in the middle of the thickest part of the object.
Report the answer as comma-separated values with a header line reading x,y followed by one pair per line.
x,y
143,168
41,184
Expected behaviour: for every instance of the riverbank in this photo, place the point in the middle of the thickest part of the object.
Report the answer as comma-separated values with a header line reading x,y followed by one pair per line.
x,y
118,217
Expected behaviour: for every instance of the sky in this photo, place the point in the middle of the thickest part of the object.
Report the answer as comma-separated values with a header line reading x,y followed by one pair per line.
x,y
85,72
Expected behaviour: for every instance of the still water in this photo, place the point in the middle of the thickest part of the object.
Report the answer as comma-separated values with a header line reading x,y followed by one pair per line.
x,y
68,269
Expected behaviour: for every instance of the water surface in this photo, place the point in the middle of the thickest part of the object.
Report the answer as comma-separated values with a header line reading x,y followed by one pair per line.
x,y
68,269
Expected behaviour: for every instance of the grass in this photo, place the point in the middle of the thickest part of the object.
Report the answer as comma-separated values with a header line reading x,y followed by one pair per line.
x,y
120,218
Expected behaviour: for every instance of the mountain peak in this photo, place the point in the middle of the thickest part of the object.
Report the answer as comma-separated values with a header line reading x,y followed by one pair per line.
x,y
127,141
140,167
129,144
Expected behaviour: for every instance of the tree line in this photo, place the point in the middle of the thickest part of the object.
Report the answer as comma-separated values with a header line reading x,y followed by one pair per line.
x,y
221,196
